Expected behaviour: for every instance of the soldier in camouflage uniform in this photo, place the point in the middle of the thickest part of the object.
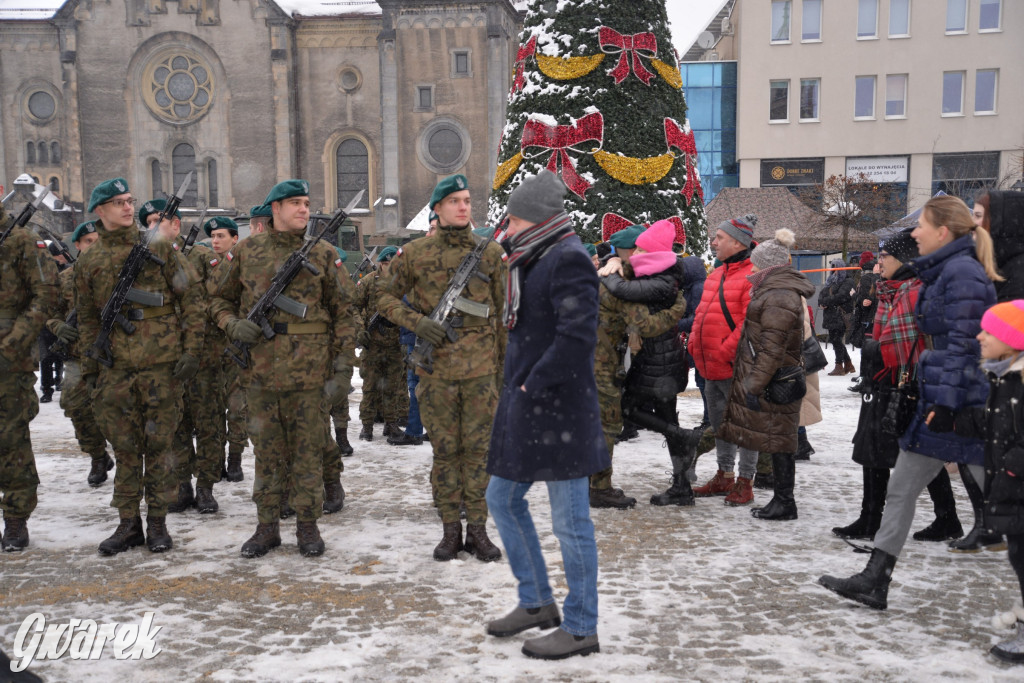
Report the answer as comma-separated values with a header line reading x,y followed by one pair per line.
x,y
28,287
203,403
137,401
340,410
76,399
457,402
292,377
381,366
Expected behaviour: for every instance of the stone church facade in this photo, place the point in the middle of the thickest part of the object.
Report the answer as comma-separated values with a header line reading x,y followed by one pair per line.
x,y
387,96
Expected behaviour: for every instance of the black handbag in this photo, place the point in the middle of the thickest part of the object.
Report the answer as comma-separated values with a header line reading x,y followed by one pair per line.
x,y
814,356
788,384
901,406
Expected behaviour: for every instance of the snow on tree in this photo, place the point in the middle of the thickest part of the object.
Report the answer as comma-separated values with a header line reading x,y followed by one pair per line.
x,y
597,98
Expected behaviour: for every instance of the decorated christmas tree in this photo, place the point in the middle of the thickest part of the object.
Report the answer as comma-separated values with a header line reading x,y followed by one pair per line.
x,y
597,98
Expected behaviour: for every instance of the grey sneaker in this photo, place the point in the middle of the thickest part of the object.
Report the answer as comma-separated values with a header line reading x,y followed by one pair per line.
x,y
522,618
560,644
1011,650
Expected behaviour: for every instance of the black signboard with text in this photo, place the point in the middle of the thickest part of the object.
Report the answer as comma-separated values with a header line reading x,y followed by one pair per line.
x,y
792,172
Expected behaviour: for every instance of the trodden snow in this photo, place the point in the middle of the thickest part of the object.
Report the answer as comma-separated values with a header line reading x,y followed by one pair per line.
x,y
705,593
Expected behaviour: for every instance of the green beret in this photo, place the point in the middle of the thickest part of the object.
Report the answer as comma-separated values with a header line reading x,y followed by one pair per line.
x,y
626,238
218,222
591,249
453,183
483,232
342,254
151,207
387,253
107,190
286,189
261,210
432,217
83,230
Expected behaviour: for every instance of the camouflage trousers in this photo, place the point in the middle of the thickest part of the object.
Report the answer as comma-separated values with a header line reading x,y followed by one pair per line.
x,y
287,429
232,378
382,368
610,401
332,463
203,416
458,415
139,411
340,410
76,401
18,477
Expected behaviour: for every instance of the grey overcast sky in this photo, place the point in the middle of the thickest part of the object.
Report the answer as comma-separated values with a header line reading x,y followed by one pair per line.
x,y
688,18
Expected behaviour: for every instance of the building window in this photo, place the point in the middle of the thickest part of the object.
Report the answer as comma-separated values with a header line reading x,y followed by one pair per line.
x,y
952,93
178,87
779,107
990,15
864,98
211,172
711,108
55,184
352,162
461,64
424,98
55,152
956,16
183,162
811,26
867,19
41,153
781,12
985,85
899,18
41,106
810,89
30,152
156,177
444,145
963,174
896,96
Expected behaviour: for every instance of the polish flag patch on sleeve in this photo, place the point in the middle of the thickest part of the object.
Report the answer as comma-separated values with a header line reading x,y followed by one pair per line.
x,y
214,262
338,262
229,256
40,244
399,253
176,247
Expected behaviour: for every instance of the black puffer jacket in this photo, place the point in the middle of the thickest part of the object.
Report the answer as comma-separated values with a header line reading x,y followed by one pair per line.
x,y
863,316
1006,218
836,300
659,369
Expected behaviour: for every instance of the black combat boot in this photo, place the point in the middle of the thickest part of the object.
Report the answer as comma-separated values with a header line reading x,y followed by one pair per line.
x,y
310,543
682,450
127,535
286,509
392,429
804,449
451,543
15,534
158,539
185,498
946,525
205,502
334,497
679,493
478,545
98,472
782,506
876,480
871,586
366,433
267,536
977,539
341,436
628,432
47,396
404,439
611,498
234,467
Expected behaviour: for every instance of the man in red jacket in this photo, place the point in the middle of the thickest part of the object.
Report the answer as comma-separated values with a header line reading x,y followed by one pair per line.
x,y
716,333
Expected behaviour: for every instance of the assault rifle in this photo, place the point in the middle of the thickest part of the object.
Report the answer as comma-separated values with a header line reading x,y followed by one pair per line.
x,y
365,266
22,220
274,297
124,290
452,300
64,251
193,232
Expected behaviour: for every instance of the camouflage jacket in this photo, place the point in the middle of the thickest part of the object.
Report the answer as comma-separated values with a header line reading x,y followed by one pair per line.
x,y
286,362
28,295
367,292
156,340
205,262
421,271
65,302
616,319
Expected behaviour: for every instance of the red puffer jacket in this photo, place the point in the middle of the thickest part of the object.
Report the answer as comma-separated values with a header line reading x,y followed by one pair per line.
x,y
712,343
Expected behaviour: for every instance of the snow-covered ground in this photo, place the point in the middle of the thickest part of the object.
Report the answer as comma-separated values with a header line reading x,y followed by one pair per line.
x,y
705,593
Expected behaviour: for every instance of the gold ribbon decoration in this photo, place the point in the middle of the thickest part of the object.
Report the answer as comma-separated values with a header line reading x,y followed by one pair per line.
x,y
567,68
633,171
669,73
506,169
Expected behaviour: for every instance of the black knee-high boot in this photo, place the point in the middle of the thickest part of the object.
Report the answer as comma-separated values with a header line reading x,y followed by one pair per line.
x,y
946,525
876,480
977,539
782,506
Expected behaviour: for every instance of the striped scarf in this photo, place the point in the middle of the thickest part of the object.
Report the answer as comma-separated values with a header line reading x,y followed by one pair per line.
x,y
526,247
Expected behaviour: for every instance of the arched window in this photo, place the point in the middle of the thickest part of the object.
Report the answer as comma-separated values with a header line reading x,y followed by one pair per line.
x,y
41,152
183,160
30,152
211,170
156,176
55,184
353,167
54,152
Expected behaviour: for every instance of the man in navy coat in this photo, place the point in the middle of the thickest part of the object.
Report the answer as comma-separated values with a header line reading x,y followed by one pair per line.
x,y
548,425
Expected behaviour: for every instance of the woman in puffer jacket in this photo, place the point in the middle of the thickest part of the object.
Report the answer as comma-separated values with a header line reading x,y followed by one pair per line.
x,y
658,373
957,268
836,301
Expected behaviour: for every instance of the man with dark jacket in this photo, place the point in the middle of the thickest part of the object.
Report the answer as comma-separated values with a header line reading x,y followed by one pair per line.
x,y
548,426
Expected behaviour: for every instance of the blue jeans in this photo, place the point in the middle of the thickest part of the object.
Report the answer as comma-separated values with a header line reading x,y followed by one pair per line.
x,y
413,427
570,519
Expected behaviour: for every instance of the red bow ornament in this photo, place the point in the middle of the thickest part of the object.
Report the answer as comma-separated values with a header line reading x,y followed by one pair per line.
x,y
682,139
561,140
611,223
639,44
525,52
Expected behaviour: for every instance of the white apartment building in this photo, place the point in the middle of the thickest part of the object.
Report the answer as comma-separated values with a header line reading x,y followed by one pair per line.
x,y
927,94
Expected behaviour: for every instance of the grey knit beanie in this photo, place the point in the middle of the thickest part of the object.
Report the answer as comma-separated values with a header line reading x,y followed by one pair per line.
x,y
774,252
538,198
740,229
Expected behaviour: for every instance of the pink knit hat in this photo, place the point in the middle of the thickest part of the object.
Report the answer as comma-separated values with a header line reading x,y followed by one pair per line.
x,y
1005,322
658,237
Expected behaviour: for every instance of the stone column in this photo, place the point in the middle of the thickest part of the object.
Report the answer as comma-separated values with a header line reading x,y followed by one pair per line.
x,y
388,212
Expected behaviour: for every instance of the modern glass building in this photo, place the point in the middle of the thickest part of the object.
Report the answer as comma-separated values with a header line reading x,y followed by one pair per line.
x,y
711,107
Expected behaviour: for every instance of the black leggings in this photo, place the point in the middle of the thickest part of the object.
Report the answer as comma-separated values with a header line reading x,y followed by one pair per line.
x,y
835,338
1015,549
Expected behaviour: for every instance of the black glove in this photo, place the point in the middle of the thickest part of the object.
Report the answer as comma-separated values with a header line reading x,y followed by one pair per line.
x,y
66,333
942,419
752,401
186,368
242,330
432,331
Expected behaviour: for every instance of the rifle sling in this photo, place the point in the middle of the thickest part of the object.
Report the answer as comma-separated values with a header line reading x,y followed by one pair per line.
x,y
300,328
458,321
